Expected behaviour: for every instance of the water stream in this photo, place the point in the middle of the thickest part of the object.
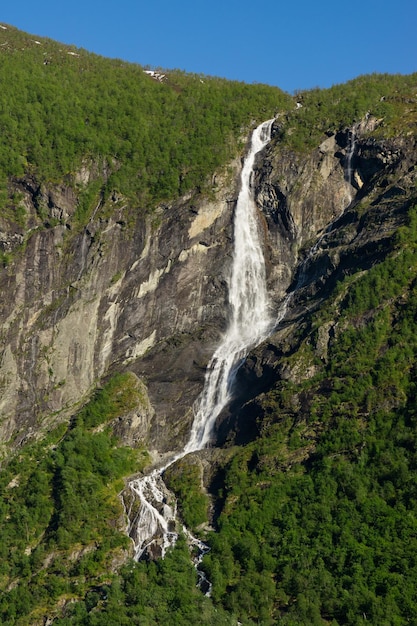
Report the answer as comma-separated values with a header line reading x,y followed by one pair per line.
x,y
303,266
349,155
152,525
250,315
153,522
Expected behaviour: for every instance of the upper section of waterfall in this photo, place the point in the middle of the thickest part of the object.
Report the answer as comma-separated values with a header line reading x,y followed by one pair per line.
x,y
250,317
248,298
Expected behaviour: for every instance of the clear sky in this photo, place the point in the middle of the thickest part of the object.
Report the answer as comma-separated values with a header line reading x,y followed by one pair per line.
x,y
294,45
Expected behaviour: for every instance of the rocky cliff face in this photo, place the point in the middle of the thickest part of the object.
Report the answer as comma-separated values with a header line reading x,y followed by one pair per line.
x,y
148,293
322,227
84,302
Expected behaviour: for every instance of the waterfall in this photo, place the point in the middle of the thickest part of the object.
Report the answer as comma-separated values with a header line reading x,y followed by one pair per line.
x,y
302,269
153,523
350,150
250,316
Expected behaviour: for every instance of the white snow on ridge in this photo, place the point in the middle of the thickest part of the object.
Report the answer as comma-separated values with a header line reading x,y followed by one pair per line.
x,y
155,75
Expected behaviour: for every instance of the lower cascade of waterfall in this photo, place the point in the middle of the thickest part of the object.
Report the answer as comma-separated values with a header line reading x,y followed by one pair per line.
x,y
152,509
153,524
152,513
350,150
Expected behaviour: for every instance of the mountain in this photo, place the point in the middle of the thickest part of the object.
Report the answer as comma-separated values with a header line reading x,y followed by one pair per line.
x,y
118,190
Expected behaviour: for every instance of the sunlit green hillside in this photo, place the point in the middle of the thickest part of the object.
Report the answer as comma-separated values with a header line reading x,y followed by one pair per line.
x,y
61,107
392,99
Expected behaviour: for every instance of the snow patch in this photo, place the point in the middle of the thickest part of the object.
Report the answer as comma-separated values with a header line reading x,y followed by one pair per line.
x,y
155,75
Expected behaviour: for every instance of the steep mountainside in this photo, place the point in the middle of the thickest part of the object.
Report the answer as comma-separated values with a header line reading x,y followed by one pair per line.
x,y
357,227
116,233
114,224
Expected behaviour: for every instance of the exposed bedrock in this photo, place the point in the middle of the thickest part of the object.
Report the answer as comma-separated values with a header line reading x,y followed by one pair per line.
x,y
148,293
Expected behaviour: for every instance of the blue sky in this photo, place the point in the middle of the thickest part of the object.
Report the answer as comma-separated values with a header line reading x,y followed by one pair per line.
x,y
294,45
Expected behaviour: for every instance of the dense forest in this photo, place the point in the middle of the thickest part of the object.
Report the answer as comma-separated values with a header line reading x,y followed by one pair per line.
x,y
154,140
312,522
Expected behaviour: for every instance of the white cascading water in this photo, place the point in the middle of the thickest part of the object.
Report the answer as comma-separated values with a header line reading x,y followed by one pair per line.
x,y
250,319
250,323
155,519
154,522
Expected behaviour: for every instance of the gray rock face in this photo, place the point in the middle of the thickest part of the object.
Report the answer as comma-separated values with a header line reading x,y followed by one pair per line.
x,y
82,304
381,190
299,195
148,293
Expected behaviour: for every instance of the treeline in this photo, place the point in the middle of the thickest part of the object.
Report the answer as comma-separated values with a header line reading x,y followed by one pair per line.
x,y
61,107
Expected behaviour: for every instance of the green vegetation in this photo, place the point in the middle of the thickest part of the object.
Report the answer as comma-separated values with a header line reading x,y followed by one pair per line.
x,y
120,395
185,480
62,108
164,592
391,99
60,514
